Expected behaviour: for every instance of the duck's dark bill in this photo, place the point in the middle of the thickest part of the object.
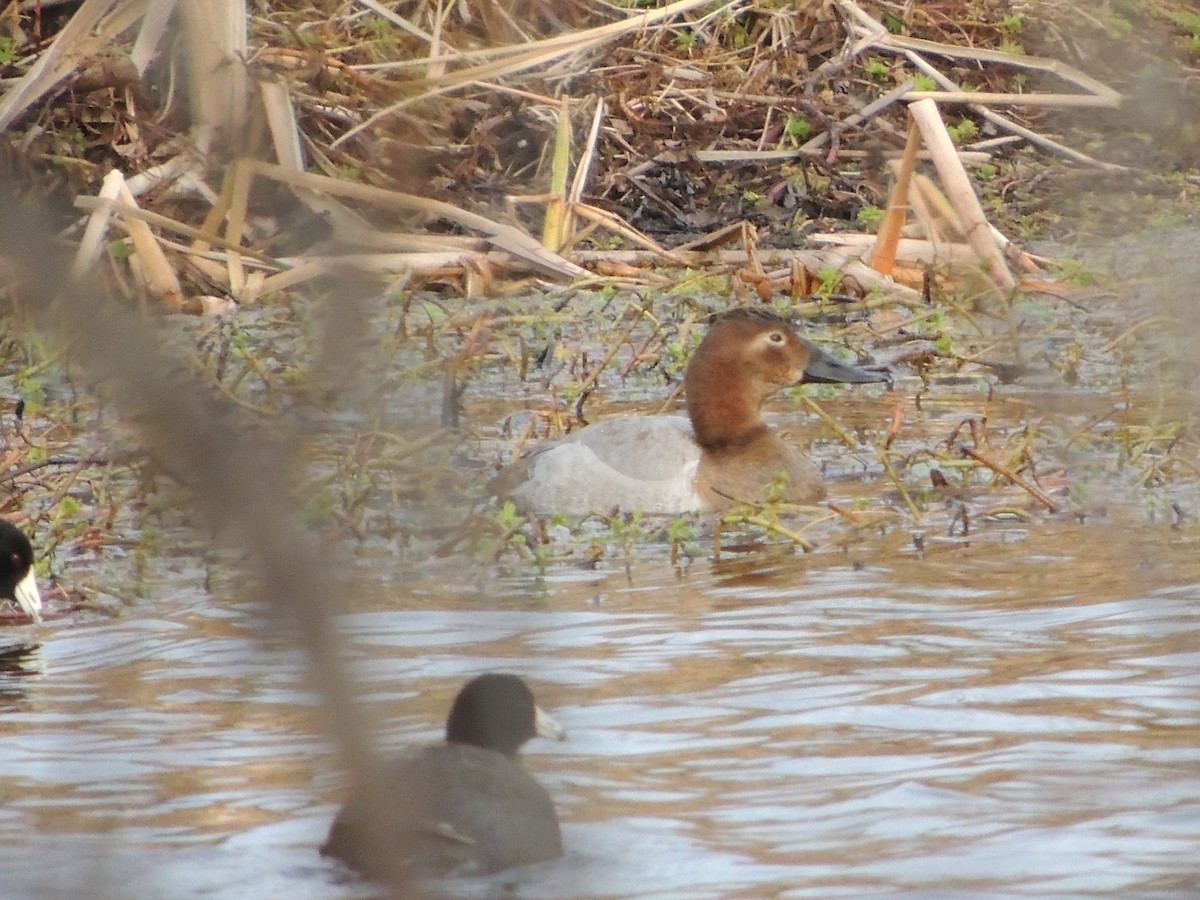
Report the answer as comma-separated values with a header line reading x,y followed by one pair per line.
x,y
824,369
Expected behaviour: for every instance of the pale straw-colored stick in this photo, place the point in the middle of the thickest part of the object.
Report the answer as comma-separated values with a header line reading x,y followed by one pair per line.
x,y
960,193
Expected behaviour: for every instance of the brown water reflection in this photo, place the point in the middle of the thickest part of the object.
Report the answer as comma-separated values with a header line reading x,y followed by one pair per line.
x,y
987,719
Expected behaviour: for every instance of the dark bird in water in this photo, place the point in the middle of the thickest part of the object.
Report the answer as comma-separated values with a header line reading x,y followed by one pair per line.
x,y
16,571
465,805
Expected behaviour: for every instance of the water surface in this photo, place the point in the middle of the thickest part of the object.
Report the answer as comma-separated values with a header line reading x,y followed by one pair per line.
x,y
1005,717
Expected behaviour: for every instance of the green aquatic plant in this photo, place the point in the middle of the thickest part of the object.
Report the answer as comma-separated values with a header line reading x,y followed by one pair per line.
x,y
869,216
797,129
1077,272
1012,23
765,517
686,41
876,69
963,131
829,280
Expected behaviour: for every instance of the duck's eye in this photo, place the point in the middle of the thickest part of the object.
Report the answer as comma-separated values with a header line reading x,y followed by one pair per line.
x,y
776,337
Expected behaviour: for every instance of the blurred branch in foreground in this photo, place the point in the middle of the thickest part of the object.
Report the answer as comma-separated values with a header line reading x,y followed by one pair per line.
x,y
238,476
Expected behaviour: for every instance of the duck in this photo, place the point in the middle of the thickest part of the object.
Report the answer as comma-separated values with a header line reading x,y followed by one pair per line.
x,y
465,805
721,454
17,583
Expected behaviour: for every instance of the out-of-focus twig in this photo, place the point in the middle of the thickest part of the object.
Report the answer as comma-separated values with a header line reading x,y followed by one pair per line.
x,y
238,476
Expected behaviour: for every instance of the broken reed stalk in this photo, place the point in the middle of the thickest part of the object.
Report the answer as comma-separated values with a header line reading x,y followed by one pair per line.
x,y
933,211
616,224
882,453
1002,121
982,97
960,193
584,169
149,262
883,257
770,525
833,424
506,237
1032,489
555,225
908,250
1167,321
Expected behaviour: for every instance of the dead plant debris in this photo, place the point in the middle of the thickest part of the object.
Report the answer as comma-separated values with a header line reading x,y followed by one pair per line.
x,y
550,197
